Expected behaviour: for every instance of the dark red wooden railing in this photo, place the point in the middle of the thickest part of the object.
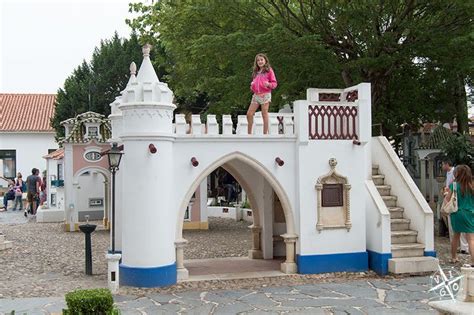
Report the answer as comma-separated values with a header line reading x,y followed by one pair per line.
x,y
332,122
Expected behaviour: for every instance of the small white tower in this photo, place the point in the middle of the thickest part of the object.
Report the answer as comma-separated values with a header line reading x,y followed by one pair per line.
x,y
147,119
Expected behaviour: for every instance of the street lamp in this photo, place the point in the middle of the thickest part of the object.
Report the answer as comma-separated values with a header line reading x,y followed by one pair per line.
x,y
114,156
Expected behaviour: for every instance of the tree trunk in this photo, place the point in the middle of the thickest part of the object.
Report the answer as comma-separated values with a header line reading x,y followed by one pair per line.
x,y
460,105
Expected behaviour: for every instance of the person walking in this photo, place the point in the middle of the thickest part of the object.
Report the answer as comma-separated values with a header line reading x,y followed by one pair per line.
x,y
264,81
462,220
33,183
448,167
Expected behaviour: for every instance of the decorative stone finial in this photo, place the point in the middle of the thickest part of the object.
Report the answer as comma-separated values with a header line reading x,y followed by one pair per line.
x,y
146,50
332,163
133,68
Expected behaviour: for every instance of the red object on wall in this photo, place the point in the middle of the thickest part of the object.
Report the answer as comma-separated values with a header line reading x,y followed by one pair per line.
x,y
279,161
152,148
194,161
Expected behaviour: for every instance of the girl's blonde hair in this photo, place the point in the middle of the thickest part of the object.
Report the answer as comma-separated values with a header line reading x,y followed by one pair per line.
x,y
463,175
256,68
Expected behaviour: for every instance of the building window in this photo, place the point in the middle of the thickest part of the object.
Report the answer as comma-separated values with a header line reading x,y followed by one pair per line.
x,y
8,160
53,199
60,172
93,131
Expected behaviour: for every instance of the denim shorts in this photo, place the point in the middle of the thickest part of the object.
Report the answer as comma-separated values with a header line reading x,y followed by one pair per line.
x,y
262,99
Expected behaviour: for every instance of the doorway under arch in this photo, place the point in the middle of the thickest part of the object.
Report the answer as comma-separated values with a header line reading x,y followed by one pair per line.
x,y
263,191
92,194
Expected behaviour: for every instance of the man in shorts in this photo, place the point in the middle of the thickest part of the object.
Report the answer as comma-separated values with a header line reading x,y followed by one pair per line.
x,y
33,183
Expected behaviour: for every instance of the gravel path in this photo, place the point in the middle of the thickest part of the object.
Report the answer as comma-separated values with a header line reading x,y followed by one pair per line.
x,y
45,261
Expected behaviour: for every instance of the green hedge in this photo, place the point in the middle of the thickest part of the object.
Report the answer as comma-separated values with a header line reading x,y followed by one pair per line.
x,y
88,302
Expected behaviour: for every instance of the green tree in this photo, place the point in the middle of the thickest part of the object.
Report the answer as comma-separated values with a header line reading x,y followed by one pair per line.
x,y
93,86
416,53
211,47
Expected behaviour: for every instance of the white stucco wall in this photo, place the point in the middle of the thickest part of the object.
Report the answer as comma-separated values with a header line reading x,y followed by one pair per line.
x,y
30,149
90,186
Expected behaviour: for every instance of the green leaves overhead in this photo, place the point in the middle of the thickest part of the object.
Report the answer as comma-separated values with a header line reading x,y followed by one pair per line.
x,y
93,86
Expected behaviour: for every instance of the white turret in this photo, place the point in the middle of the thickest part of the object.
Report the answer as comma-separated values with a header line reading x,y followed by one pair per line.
x,y
146,103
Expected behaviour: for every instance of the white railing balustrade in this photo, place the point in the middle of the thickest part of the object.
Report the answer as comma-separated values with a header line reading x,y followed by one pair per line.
x,y
280,124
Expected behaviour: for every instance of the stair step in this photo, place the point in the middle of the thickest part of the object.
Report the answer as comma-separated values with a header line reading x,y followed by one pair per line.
x,y
412,265
408,250
384,190
375,169
404,236
390,201
396,212
378,179
399,224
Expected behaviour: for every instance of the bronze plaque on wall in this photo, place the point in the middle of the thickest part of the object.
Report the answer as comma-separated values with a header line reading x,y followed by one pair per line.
x,y
332,195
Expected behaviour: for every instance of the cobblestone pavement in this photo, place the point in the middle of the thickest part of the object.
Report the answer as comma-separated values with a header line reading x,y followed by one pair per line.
x,y
47,262
396,296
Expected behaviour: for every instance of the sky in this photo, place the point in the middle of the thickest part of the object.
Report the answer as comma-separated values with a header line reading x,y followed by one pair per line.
x,y
42,42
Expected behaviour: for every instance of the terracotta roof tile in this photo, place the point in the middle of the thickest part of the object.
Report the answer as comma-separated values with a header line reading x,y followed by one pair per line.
x,y
55,155
26,112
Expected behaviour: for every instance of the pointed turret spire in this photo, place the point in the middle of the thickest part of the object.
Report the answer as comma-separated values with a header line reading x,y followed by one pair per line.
x,y
146,72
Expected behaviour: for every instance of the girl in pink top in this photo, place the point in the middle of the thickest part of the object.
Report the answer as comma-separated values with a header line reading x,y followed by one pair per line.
x,y
264,81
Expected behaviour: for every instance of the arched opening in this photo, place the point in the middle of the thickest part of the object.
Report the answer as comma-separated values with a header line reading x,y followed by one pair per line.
x,y
272,229
92,195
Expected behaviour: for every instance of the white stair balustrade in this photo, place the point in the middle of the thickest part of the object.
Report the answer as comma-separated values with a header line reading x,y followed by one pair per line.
x,y
196,127
242,125
288,125
273,124
226,125
212,125
180,124
258,124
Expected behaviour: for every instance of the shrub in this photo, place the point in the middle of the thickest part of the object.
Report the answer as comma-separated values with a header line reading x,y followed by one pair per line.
x,y
459,149
88,302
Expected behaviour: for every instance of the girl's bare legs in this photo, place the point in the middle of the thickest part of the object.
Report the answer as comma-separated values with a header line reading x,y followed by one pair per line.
x,y
250,112
454,245
470,242
265,117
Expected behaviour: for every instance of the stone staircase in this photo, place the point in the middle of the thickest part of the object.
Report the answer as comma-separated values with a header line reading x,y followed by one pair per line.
x,y
407,253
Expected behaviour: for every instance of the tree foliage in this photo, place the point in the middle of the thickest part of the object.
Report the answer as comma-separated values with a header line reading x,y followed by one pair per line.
x,y
94,85
416,53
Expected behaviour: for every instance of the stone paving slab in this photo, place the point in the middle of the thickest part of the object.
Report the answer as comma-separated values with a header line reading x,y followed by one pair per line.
x,y
404,296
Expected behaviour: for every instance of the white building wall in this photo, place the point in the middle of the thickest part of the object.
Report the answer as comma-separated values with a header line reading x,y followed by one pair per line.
x,y
90,186
30,149
314,161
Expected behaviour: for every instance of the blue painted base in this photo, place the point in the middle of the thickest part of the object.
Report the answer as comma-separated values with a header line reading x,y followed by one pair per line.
x,y
308,264
379,262
148,277
431,253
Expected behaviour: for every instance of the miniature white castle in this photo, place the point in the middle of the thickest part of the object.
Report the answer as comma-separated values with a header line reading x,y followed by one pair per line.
x,y
316,184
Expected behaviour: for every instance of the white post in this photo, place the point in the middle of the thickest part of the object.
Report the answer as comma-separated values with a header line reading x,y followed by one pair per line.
x,y
301,120
113,272
289,266
423,177
256,251
226,125
430,183
183,273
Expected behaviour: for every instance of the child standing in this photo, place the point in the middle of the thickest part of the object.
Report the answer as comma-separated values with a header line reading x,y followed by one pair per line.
x,y
264,81
18,198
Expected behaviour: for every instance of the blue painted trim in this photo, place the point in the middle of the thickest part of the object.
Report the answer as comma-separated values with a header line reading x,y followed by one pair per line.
x,y
308,264
431,253
378,262
148,277
109,251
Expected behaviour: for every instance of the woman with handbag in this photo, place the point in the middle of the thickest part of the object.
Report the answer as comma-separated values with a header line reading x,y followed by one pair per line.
x,y
460,204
